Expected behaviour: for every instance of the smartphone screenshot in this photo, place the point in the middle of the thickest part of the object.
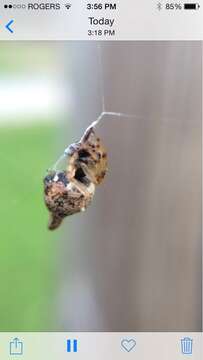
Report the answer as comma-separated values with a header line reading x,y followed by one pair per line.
x,y
101,180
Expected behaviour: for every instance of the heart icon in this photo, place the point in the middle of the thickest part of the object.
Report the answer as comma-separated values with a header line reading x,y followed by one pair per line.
x,y
128,344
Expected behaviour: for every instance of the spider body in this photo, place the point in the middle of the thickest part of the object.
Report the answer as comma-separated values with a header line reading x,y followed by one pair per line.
x,y
90,155
70,191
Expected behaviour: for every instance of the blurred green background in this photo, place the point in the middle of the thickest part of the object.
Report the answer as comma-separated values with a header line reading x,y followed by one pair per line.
x,y
27,261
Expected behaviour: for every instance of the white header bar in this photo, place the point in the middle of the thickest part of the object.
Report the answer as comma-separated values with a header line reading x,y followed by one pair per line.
x,y
101,20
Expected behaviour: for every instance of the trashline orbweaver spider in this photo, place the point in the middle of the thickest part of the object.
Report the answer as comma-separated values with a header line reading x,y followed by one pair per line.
x,y
70,191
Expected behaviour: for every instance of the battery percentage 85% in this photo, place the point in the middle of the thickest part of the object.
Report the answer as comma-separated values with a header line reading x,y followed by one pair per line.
x,y
173,6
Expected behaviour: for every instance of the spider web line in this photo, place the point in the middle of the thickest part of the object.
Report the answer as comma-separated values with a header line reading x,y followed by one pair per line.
x,y
104,112
101,82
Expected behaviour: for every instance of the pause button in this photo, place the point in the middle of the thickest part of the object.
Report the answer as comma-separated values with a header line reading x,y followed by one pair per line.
x,y
72,345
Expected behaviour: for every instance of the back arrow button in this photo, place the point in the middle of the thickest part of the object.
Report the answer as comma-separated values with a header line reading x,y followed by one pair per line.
x,y
8,26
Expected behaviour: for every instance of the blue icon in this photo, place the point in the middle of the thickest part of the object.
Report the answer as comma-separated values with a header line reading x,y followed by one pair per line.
x,y
72,345
8,26
16,347
128,344
186,346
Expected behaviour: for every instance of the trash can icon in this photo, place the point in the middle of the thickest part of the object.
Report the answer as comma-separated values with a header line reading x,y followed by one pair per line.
x,y
186,345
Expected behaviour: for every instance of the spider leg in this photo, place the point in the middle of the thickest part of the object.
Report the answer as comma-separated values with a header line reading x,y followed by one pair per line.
x,y
95,122
71,149
81,187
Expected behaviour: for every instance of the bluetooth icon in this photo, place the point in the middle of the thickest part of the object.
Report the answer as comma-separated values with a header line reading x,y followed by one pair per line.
x,y
159,6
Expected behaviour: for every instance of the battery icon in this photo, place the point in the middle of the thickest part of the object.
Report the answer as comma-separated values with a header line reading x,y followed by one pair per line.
x,y
191,6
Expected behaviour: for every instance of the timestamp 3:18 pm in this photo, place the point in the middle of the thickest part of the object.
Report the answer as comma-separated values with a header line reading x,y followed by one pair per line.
x,y
104,32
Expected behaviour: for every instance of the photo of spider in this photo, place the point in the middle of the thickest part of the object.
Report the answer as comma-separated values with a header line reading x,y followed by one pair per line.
x,y
110,133
71,191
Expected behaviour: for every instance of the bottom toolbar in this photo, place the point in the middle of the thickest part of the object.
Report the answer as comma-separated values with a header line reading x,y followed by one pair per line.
x,y
142,346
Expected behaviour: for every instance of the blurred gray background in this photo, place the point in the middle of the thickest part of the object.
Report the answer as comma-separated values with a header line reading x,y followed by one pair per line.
x,y
132,261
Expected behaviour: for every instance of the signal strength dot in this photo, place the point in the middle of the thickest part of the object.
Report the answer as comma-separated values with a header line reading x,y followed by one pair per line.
x,y
8,6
